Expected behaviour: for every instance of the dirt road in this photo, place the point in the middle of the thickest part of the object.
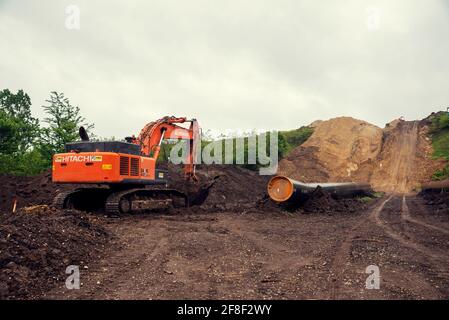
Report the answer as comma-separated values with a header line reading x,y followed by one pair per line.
x,y
266,255
405,159
396,164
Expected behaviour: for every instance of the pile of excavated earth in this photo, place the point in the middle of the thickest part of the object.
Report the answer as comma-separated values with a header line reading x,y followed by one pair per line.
x,y
37,243
438,200
26,191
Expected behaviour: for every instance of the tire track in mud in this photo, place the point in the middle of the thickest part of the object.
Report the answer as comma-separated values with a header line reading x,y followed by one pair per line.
x,y
120,286
278,268
115,276
398,160
282,256
437,258
339,263
408,241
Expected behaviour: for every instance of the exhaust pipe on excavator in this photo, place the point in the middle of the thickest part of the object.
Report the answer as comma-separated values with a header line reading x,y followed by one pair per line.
x,y
283,189
83,134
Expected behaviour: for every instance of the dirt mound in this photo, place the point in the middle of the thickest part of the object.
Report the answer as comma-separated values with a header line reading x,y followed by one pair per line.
x,y
439,201
318,201
303,164
336,149
221,187
34,190
38,244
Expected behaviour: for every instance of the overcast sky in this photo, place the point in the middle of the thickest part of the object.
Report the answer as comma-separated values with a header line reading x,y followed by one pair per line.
x,y
231,64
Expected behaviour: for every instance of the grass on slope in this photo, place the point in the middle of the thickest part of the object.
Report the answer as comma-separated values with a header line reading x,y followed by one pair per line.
x,y
293,139
440,143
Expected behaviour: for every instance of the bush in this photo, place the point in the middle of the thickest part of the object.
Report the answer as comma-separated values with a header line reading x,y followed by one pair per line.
x,y
440,135
19,133
440,143
440,122
293,139
23,164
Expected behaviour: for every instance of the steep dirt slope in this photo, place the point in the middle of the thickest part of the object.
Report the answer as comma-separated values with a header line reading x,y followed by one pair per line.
x,y
397,162
405,161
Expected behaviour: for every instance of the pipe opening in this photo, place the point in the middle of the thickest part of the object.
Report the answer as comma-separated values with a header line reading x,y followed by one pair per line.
x,y
280,188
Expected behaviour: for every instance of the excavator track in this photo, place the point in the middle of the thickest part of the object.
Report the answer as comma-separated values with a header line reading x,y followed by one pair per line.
x,y
134,200
123,201
60,200
112,204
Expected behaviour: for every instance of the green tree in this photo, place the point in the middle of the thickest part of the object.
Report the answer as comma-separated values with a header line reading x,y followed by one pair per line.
x,y
63,121
19,129
19,132
9,132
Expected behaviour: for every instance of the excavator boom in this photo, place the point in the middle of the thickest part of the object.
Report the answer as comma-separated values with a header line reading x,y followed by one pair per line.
x,y
151,136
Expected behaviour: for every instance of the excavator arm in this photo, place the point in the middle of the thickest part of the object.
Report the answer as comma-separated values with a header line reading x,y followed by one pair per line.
x,y
152,135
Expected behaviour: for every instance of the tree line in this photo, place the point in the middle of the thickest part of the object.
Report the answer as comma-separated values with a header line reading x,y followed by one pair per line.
x,y
27,144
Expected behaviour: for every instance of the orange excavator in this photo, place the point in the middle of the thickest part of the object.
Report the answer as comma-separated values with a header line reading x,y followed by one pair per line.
x,y
122,177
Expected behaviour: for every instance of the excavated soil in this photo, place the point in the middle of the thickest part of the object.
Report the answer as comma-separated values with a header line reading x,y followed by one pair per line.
x,y
255,250
336,149
317,202
225,188
321,201
38,243
27,191
273,255
439,201
220,187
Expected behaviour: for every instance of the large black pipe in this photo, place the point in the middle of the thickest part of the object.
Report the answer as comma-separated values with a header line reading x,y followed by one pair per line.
x,y
282,188
435,186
